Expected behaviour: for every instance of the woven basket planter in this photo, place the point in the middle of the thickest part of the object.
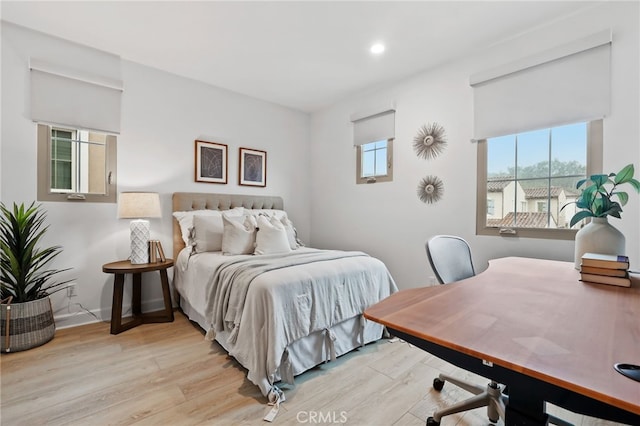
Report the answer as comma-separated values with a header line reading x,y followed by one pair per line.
x,y
26,325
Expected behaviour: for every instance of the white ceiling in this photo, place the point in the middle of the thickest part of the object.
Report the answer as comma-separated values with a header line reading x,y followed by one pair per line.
x,y
304,55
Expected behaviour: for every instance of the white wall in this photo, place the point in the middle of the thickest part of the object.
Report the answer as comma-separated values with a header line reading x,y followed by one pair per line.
x,y
162,115
388,220
311,162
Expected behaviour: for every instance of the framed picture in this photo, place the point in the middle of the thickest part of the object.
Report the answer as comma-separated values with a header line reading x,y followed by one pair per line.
x,y
253,167
211,162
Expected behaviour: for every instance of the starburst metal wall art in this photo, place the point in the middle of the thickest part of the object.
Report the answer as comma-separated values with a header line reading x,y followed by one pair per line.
x,y
430,141
430,189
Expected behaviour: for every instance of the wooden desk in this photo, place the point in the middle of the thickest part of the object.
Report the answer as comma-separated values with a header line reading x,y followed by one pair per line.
x,y
119,269
548,336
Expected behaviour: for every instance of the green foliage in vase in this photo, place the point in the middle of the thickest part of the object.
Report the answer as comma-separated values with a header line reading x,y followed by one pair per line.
x,y
601,195
23,273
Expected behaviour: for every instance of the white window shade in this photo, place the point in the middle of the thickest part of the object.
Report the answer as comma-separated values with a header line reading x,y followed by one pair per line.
x,y
565,85
60,95
377,127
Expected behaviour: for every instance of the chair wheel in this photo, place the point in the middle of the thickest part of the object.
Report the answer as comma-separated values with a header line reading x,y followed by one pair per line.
x,y
438,384
431,421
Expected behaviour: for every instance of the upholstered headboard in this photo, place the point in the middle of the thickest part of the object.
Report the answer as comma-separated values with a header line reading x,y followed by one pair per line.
x,y
185,201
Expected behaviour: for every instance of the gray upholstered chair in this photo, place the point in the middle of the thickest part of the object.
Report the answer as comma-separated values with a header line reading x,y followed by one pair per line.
x,y
451,260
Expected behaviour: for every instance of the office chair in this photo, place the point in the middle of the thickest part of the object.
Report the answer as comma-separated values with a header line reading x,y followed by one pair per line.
x,y
450,259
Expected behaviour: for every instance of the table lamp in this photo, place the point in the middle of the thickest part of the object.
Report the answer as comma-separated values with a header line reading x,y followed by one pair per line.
x,y
139,206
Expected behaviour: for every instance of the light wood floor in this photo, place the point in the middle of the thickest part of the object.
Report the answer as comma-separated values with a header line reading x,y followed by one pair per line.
x,y
167,374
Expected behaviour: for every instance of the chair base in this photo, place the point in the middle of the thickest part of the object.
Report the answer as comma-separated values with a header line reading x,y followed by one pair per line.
x,y
490,396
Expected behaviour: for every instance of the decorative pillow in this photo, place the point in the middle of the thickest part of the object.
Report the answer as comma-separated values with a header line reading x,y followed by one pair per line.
x,y
208,230
271,236
207,233
185,220
269,212
291,233
239,236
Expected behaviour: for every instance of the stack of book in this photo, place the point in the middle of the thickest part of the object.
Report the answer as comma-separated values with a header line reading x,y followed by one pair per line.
x,y
156,253
605,269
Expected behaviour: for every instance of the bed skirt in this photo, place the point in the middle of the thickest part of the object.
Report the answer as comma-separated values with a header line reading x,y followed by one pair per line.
x,y
312,350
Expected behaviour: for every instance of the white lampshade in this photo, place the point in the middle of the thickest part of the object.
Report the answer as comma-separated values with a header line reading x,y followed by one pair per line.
x,y
139,205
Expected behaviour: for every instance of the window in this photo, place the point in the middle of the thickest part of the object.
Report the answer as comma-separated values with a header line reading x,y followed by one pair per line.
x,y
62,158
373,136
374,162
525,179
491,206
76,165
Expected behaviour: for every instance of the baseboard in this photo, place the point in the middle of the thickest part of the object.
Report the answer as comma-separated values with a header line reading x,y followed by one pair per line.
x,y
83,316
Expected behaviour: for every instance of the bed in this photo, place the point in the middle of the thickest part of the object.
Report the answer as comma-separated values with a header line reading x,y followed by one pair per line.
x,y
277,314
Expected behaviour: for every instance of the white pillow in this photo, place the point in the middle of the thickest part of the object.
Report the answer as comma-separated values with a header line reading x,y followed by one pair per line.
x,y
269,212
239,235
207,230
271,236
207,233
291,233
185,219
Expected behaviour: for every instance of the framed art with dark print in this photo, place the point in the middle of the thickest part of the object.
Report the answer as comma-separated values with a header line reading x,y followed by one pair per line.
x,y
211,162
253,167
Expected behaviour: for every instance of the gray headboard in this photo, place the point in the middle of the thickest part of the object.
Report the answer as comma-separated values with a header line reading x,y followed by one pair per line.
x,y
185,201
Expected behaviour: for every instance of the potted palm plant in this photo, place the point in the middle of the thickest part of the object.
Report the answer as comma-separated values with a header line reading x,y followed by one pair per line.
x,y
25,282
601,197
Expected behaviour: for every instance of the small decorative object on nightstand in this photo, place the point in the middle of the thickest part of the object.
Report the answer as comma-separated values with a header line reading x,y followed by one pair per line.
x,y
119,269
139,206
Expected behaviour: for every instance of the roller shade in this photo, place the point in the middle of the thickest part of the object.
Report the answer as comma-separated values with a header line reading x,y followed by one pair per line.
x,y
61,95
376,127
568,84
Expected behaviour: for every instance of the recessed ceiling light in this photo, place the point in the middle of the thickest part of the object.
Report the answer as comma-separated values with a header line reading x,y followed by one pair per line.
x,y
377,48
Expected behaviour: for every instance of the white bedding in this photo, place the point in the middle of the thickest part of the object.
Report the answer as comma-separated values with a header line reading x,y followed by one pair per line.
x,y
292,317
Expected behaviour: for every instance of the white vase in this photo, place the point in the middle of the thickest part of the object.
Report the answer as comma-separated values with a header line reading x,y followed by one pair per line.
x,y
598,236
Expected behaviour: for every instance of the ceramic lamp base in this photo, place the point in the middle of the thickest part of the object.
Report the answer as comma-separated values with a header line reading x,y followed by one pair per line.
x,y
139,241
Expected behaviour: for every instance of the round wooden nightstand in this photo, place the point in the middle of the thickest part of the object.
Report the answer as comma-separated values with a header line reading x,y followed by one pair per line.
x,y
119,269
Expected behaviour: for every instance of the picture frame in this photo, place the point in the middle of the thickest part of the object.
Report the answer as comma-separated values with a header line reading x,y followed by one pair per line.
x,y
253,167
211,162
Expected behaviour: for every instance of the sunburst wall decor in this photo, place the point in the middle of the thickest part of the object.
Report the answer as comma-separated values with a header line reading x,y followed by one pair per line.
x,y
430,141
430,189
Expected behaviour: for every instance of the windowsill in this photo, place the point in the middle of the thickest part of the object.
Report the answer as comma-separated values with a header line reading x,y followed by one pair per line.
x,y
547,234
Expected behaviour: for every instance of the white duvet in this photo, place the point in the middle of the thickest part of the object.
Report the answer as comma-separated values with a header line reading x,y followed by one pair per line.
x,y
281,305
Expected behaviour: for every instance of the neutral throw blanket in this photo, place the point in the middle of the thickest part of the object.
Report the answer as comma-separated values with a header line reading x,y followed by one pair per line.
x,y
232,279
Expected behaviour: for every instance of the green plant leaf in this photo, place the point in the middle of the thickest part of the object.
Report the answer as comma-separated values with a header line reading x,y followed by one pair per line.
x,y
624,175
598,206
599,180
622,196
568,204
581,182
612,208
635,184
582,214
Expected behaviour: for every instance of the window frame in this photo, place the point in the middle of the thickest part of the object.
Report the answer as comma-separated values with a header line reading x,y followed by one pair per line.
x,y
388,177
44,169
595,138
